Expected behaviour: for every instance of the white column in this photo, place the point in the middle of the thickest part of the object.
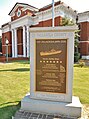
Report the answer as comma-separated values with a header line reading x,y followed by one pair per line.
x,y
15,43
24,42
28,42
52,13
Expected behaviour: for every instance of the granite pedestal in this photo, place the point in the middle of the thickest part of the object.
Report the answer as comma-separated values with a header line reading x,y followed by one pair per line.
x,y
51,72
72,109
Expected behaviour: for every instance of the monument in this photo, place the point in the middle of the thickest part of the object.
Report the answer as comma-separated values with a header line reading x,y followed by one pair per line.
x,y
51,72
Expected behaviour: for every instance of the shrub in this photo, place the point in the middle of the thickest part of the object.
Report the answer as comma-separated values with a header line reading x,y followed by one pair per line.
x,y
81,63
76,56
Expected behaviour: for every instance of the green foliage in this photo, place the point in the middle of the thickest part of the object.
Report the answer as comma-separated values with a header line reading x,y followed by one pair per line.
x,y
67,22
14,84
81,83
76,42
81,64
77,34
76,56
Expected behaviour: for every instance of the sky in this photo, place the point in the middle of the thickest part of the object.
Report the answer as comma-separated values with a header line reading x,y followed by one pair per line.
x,y
7,5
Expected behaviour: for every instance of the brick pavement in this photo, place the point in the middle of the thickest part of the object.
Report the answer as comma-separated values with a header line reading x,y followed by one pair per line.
x,y
21,114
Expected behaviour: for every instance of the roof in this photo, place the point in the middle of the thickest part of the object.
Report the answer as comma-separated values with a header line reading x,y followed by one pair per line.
x,y
83,12
50,5
23,4
5,24
43,8
55,4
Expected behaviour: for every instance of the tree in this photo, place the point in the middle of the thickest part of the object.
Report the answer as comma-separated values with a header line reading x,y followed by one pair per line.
x,y
76,42
67,21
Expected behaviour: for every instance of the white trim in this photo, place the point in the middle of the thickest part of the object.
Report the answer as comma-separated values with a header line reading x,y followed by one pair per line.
x,y
24,42
28,42
20,55
83,17
63,28
16,54
83,41
83,20
53,16
19,19
13,44
85,57
18,13
19,43
30,8
8,45
13,11
59,10
6,28
24,6
13,15
21,22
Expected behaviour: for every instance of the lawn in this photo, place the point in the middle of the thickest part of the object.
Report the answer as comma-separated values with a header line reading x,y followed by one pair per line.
x,y
81,83
14,84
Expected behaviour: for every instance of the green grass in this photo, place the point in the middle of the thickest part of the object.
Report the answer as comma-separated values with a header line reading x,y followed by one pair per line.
x,y
14,84
81,83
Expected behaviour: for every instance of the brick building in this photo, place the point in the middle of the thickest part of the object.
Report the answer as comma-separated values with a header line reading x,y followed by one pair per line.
x,y
24,16
83,20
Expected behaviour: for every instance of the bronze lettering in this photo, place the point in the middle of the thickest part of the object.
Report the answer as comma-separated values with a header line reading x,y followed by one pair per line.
x,y
51,65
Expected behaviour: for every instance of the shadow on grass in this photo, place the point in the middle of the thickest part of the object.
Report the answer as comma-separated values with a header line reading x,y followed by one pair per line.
x,y
17,70
8,103
77,65
8,111
22,61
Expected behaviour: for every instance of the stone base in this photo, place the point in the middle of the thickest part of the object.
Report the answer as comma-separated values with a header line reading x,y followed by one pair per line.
x,y
40,106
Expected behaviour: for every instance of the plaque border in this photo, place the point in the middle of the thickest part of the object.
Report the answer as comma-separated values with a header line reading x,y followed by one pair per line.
x,y
66,66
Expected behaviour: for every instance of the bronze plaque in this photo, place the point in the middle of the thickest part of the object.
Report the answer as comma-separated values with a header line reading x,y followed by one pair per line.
x,y
51,65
